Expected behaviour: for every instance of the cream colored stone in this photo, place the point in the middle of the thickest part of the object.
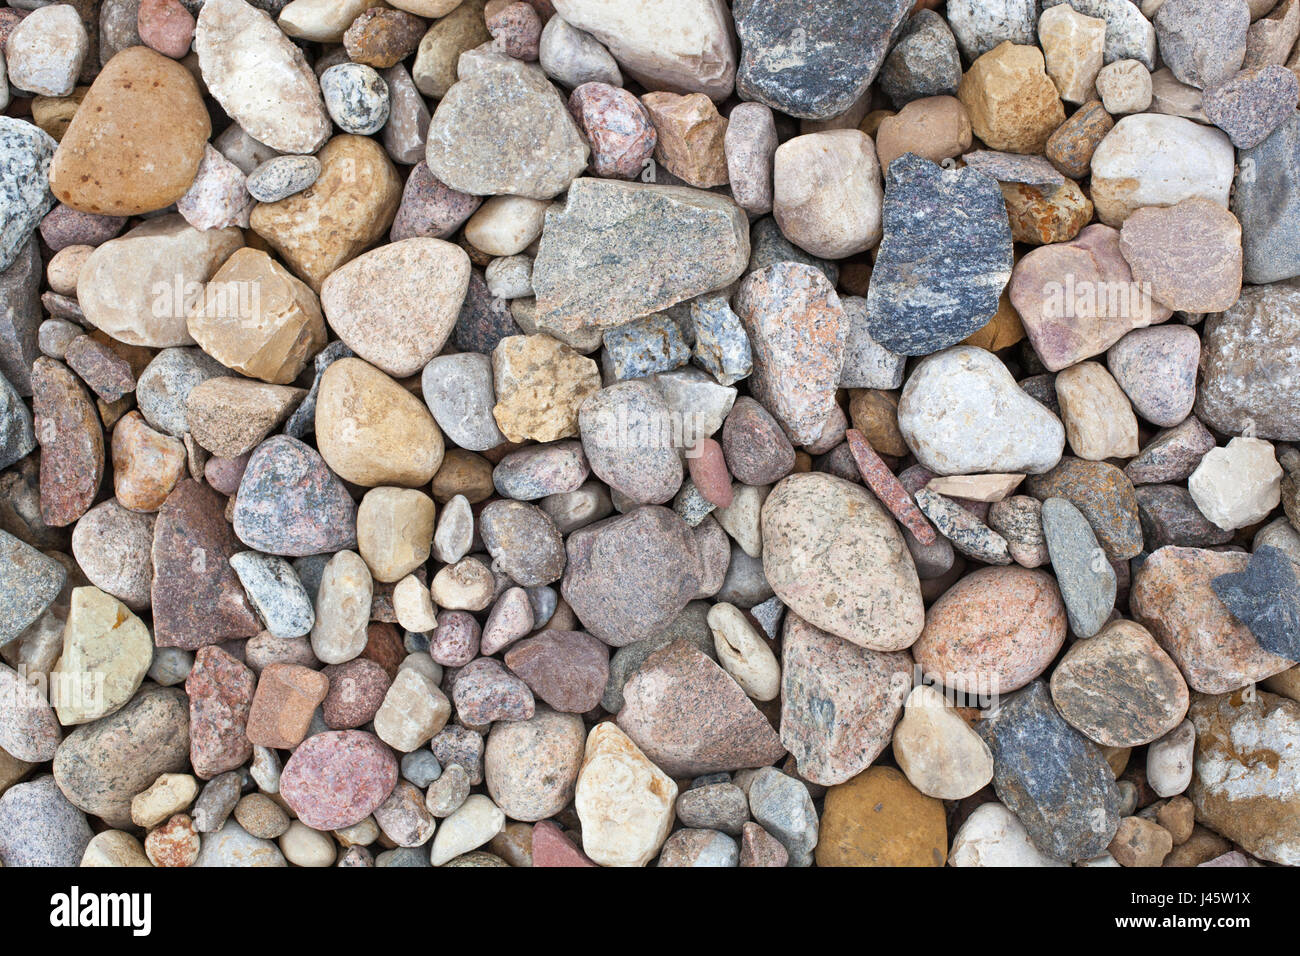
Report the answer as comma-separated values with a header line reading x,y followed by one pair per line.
x,y
396,305
827,192
506,225
322,21
372,431
466,585
414,709
170,793
257,318
455,533
413,605
1237,485
303,846
434,69
65,266
540,385
743,654
394,531
993,836
1072,45
474,823
114,848
342,609
229,416
1099,421
937,750
107,651
1013,105
1124,87
988,488
140,287
624,801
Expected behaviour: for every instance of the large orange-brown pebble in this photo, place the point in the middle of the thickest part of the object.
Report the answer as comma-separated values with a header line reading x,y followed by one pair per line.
x,y
372,431
347,210
1013,105
879,819
993,631
135,142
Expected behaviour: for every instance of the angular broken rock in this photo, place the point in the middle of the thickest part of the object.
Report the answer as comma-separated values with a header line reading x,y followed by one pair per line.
x,y
691,718
603,254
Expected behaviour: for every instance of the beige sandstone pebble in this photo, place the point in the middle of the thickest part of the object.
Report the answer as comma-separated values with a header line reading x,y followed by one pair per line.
x,y
1140,842
348,208
303,846
743,653
1237,485
64,267
342,609
414,709
472,824
394,531
371,431
1073,45
413,605
1124,87
114,848
466,585
937,750
506,225
540,385
691,136
257,318
229,416
106,652
935,128
976,487
827,192
146,464
464,28
1098,418
322,21
1013,105
169,794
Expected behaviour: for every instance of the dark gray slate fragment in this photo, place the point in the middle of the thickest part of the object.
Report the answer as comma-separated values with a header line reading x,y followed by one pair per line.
x,y
1051,777
944,260
29,583
924,62
812,58
967,533
1266,198
20,316
1084,574
1266,598
767,246
17,439
290,503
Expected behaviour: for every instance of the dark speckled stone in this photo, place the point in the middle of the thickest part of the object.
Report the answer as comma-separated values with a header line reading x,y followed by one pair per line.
x,y
1105,496
484,319
944,260
1170,516
291,504
1051,777
812,58
691,718
1266,598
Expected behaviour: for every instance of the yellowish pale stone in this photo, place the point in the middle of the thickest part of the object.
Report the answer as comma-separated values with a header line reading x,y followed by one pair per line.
x,y
372,431
170,793
624,801
114,848
827,192
413,605
348,208
937,750
1013,105
540,385
989,488
1099,421
257,318
106,652
690,137
228,416
743,654
414,709
394,531
1072,48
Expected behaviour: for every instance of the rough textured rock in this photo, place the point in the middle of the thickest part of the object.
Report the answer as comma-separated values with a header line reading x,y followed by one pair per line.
x,y
879,819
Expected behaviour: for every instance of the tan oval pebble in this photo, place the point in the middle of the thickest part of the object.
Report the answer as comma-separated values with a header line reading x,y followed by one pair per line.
x,y
743,654
413,605
394,531
937,750
466,585
342,609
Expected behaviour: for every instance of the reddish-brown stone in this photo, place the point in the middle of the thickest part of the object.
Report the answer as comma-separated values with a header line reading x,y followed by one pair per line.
x,y
220,689
165,26
146,464
708,469
567,669
72,443
551,847
197,597
356,689
485,691
384,646
617,126
887,488
338,778
760,848
107,373
287,695
382,38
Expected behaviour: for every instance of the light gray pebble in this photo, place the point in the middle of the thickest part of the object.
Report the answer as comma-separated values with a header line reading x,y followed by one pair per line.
x,y
282,177
356,97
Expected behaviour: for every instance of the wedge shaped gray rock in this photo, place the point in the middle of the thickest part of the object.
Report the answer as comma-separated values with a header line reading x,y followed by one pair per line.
x,y
615,251
29,583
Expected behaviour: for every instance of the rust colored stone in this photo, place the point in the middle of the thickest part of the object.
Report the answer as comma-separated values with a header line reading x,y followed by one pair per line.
x,y
287,695
72,443
146,464
107,373
220,689
887,488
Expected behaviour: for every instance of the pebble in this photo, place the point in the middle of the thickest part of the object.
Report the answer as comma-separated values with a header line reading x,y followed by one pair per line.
x,y
566,669
1252,104
923,60
1266,599
106,652
831,553
879,819
743,654
1170,759
937,750
259,77
1084,575
1140,842
356,97
338,778
1173,597
749,144
690,717
1073,47
993,632
813,80
1267,189
573,57
1237,485
627,435
717,806
584,284
531,766
1204,43
275,593
928,257
1238,796
624,801
827,192
968,534
1124,87
784,808
1155,160
993,836
289,502
936,128
282,176
1099,421
29,729
1190,253
166,26
40,827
